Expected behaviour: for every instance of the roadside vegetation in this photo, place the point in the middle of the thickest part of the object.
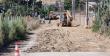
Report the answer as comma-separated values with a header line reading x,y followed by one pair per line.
x,y
78,4
19,17
16,20
12,28
102,22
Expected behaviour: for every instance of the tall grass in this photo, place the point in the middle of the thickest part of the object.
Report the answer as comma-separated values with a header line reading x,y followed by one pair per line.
x,y
15,27
96,27
12,28
102,23
1,36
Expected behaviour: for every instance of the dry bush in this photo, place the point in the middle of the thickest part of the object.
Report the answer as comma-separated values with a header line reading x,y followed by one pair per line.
x,y
32,23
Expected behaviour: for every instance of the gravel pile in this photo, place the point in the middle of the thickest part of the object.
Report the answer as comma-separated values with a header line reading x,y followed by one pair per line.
x,y
60,40
52,40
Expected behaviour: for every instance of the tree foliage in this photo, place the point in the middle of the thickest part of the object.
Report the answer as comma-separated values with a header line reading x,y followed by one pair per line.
x,y
67,4
78,3
21,7
103,16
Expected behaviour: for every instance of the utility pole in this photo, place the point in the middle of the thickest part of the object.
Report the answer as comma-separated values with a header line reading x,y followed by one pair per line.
x,y
73,8
87,15
33,8
33,5
80,12
59,5
62,5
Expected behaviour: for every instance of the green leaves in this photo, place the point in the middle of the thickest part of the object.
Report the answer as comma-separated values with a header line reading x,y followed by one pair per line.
x,y
102,16
1,35
78,3
96,26
12,28
67,4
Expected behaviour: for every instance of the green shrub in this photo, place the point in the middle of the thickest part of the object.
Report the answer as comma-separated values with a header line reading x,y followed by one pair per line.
x,y
1,39
1,35
12,28
5,29
103,17
96,26
20,27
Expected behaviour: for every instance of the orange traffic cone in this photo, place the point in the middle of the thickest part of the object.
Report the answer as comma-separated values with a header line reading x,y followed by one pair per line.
x,y
17,50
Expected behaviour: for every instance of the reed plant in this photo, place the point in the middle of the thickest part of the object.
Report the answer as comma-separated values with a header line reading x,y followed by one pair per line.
x,y
12,28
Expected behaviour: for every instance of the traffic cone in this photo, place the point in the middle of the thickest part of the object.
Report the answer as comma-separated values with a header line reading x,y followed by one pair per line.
x,y
17,50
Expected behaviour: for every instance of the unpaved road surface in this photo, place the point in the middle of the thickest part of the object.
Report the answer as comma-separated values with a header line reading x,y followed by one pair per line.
x,y
51,38
69,39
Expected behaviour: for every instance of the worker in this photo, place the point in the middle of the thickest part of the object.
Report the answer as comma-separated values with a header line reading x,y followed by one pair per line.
x,y
65,19
39,17
50,16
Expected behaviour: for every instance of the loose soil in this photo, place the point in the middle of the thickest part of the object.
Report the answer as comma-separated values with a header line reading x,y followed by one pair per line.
x,y
69,39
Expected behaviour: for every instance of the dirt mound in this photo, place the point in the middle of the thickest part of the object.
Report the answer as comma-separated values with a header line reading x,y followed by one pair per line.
x,y
60,40
52,40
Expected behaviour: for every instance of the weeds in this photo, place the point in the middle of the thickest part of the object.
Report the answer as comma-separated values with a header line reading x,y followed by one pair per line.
x,y
12,28
1,36
96,26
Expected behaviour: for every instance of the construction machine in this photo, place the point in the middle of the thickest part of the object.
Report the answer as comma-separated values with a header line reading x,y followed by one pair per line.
x,y
53,15
66,19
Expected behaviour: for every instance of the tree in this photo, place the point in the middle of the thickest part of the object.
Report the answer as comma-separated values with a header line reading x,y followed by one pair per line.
x,y
67,4
102,16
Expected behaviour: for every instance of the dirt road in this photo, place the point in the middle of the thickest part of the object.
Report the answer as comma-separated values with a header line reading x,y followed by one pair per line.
x,y
51,38
69,39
